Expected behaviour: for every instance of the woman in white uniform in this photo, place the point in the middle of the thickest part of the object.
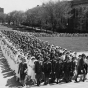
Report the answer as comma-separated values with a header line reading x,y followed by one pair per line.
x,y
18,61
31,66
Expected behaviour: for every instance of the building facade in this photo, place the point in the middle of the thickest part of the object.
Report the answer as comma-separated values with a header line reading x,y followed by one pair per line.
x,y
79,19
1,15
1,10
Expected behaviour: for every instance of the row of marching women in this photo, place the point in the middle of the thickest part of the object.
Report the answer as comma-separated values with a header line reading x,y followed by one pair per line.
x,y
46,63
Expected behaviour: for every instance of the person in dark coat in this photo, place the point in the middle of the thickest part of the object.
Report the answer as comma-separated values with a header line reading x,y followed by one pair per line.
x,y
22,70
66,69
72,68
53,72
52,54
47,70
58,70
81,67
84,67
38,71
86,64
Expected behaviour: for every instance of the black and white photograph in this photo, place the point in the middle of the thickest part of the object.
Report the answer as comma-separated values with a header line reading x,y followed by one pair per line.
x,y
43,43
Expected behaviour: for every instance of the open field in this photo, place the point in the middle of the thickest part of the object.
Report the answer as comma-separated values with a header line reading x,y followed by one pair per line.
x,y
70,43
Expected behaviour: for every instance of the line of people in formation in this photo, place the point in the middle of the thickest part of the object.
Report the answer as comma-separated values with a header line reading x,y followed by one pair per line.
x,y
49,62
54,69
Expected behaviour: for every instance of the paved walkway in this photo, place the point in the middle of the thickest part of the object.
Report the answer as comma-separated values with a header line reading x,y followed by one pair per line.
x,y
7,78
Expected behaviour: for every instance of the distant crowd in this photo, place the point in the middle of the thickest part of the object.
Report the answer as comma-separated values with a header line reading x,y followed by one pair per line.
x,y
60,34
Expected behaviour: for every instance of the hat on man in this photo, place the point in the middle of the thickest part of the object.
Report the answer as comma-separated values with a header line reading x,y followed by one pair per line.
x,y
79,55
83,55
32,58
86,57
67,52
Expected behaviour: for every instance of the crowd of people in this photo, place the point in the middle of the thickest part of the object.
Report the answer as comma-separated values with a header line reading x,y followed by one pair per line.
x,y
50,63
59,34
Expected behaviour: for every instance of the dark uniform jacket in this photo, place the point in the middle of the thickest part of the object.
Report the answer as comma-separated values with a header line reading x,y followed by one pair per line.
x,y
22,68
38,67
47,68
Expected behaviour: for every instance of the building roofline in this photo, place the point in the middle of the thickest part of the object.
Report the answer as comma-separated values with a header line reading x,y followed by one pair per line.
x,y
79,2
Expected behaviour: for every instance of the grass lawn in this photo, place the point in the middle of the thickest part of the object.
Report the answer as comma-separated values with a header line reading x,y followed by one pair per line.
x,y
70,43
